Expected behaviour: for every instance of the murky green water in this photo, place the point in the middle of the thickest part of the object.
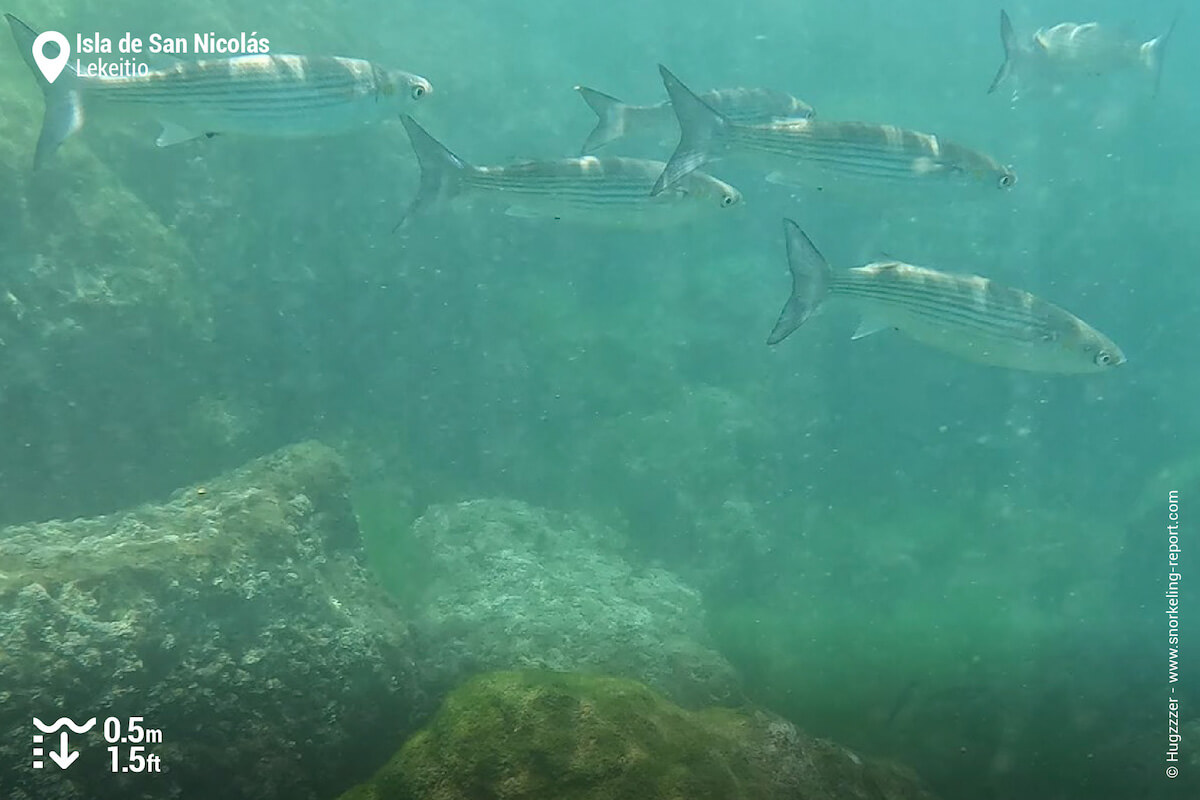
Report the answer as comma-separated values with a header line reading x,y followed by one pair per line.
x,y
956,566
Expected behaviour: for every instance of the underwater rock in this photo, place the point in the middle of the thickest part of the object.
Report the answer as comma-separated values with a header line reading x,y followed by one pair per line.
x,y
100,309
83,255
516,587
235,618
545,736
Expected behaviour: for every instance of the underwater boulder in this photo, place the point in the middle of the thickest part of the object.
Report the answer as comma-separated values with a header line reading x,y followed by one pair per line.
x,y
235,618
513,587
101,309
83,255
556,736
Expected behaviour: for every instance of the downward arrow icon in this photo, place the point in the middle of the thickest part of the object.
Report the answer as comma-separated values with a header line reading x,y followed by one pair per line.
x,y
64,758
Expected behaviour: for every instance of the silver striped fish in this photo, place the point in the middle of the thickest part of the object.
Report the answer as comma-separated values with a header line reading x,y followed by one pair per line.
x,y
966,315
617,119
1080,49
813,149
602,191
259,95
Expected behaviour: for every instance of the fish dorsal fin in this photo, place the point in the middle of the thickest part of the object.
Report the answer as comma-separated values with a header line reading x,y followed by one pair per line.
x,y
868,325
173,133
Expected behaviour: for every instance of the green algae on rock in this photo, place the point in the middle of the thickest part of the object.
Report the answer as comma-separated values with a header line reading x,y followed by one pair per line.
x,y
558,736
236,618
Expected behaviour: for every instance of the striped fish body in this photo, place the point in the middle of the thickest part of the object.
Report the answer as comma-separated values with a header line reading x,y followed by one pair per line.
x,y
598,191
824,152
737,105
754,106
261,95
966,315
616,119
973,318
264,95
802,149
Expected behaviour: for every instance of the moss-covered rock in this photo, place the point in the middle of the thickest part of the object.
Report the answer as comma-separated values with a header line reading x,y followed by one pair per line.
x,y
554,736
236,618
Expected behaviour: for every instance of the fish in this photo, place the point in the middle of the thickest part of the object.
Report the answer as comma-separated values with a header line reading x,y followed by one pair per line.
x,y
818,151
965,315
602,191
617,119
1071,48
256,95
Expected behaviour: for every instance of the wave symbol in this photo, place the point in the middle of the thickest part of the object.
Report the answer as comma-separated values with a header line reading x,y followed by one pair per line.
x,y
60,722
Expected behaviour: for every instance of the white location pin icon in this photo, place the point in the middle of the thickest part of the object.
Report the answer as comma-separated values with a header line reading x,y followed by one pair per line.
x,y
51,67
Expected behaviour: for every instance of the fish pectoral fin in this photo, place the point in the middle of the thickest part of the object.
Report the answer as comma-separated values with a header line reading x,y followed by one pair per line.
x,y
867,326
175,134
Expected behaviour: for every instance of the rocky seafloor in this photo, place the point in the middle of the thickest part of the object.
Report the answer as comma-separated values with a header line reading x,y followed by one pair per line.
x,y
238,619
514,586
524,736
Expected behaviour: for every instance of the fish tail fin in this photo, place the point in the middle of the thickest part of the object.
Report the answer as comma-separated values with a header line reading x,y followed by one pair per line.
x,y
442,172
611,121
64,108
811,277
700,127
1009,39
1152,53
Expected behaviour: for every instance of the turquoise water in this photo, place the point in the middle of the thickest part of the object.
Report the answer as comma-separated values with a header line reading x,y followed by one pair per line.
x,y
955,566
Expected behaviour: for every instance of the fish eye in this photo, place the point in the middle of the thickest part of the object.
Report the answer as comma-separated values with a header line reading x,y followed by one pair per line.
x,y
1103,358
418,92
1007,180
728,200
